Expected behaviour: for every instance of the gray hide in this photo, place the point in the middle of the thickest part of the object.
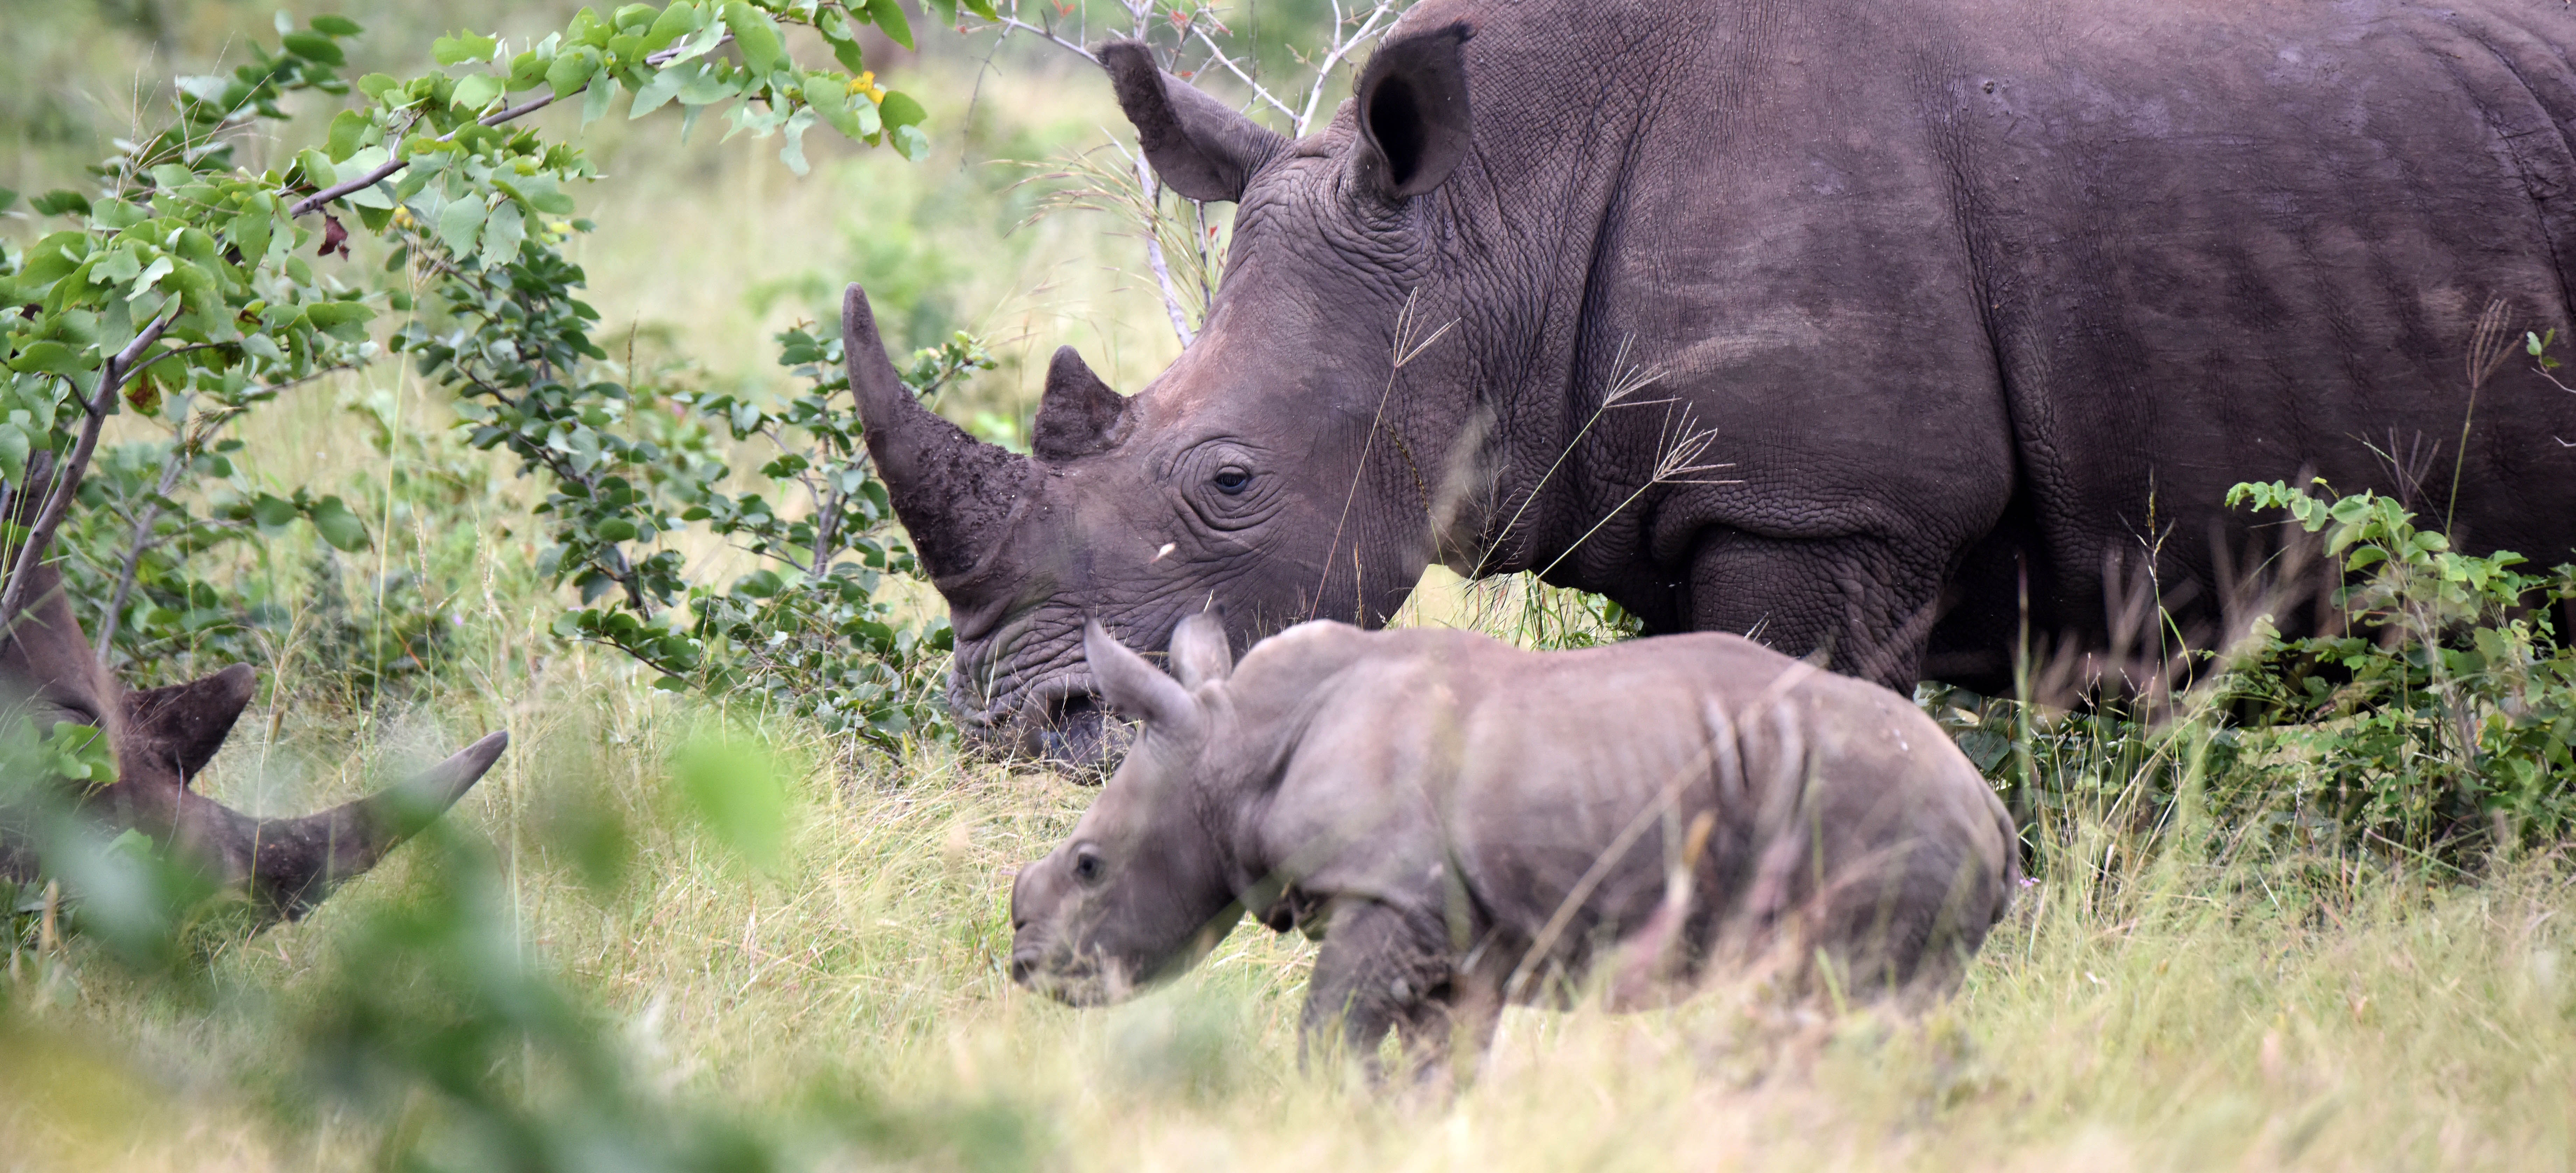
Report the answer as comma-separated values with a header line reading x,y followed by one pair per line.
x,y
1466,824
1970,311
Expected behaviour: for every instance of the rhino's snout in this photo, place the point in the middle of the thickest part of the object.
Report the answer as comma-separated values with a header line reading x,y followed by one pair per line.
x,y
1024,965
1066,721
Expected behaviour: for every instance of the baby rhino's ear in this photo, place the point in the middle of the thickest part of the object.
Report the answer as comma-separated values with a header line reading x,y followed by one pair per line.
x,y
1133,685
1199,651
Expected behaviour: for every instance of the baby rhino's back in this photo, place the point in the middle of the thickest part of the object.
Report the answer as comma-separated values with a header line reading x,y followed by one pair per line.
x,y
1832,804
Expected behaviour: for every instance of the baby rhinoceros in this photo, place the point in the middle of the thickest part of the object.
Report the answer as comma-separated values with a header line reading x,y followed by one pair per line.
x,y
1467,824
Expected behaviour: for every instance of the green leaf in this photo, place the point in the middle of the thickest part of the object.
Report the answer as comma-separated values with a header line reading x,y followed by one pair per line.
x,y
314,47
7,197
913,144
706,86
340,319
755,36
272,513
983,8
594,103
664,86
59,202
835,108
888,15
588,29
792,151
476,91
339,526
317,168
460,224
348,127
336,26
572,71
676,21
51,358
13,452
503,232
900,110
463,47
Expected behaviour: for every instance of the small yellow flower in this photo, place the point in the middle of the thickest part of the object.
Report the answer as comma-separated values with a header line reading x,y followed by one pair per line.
x,y
866,83
402,216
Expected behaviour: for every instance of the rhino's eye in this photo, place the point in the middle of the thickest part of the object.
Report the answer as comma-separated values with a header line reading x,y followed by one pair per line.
x,y
1087,866
1231,480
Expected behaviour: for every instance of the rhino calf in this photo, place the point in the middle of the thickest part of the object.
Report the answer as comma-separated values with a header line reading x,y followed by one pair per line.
x,y
1467,824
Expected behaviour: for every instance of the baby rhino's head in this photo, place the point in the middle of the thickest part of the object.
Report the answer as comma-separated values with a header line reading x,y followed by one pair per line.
x,y
1140,891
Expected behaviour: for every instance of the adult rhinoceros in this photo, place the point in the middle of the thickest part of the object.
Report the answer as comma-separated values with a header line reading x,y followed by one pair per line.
x,y
1982,300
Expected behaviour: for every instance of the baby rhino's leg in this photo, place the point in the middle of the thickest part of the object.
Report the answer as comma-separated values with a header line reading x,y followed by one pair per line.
x,y
1380,967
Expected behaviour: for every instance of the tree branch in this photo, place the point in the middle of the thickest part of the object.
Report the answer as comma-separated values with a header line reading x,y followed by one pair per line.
x,y
1333,57
1010,23
386,169
1221,57
67,479
1154,251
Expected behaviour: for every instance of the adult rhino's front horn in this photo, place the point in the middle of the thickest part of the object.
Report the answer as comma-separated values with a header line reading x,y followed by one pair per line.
x,y
162,740
953,492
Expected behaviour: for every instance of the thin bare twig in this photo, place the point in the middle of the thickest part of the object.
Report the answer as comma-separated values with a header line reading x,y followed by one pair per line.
x,y
1145,182
1350,32
1341,48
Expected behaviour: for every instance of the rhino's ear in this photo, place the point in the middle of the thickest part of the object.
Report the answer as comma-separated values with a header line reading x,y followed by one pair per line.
x,y
1133,685
1203,148
1413,111
185,724
1199,651
1078,414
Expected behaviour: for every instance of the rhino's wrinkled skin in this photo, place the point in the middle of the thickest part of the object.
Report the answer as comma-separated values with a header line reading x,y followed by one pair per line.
x,y
161,740
1985,301
1468,823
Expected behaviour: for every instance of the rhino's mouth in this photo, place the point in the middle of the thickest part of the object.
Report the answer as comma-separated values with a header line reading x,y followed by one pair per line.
x,y
1071,979
1063,720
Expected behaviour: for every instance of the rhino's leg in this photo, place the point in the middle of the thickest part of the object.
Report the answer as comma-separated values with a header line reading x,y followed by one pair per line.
x,y
1381,967
1868,603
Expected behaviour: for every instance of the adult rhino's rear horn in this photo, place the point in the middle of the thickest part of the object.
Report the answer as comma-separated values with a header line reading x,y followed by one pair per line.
x,y
1078,415
952,491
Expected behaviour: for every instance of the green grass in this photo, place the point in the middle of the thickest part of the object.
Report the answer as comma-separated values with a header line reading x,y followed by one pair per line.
x,y
2172,1018
2161,1015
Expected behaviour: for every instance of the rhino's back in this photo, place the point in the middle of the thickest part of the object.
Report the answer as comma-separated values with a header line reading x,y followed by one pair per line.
x,y
2071,267
2253,242
1543,775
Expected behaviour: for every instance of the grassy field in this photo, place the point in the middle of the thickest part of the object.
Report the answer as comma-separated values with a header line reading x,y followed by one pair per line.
x,y
2175,1018
847,997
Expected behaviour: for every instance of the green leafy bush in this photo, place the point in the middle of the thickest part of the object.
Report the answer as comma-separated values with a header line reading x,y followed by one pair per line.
x,y
192,291
2441,718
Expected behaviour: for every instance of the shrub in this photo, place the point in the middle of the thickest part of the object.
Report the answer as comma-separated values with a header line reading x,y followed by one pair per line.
x,y
2440,719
